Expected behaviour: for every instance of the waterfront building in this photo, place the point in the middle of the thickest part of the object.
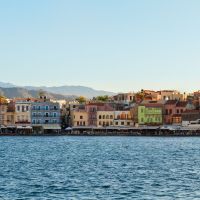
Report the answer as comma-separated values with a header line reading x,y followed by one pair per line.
x,y
3,111
22,113
150,113
92,109
79,117
123,118
189,116
45,115
173,111
105,118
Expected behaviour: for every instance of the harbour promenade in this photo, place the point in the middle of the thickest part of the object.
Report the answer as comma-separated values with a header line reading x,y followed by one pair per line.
x,y
111,131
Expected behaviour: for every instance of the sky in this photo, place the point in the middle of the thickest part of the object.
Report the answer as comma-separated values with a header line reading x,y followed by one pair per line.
x,y
114,45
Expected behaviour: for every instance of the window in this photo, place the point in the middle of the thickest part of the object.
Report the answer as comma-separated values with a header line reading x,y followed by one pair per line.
x,y
122,123
103,116
54,115
81,117
128,123
18,108
116,123
99,116
107,116
23,108
27,108
111,117
46,114
47,107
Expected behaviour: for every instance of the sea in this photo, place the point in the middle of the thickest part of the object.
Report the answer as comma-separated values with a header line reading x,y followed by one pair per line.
x,y
89,168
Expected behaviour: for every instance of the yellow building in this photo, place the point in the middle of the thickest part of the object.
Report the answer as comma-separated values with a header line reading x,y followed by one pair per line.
x,y
22,113
79,118
3,111
105,118
123,118
10,119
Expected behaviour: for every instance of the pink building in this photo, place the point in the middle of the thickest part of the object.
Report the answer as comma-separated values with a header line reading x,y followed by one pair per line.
x,y
173,111
92,109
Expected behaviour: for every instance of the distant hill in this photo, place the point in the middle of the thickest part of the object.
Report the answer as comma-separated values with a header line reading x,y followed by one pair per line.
x,y
73,90
6,85
61,90
17,92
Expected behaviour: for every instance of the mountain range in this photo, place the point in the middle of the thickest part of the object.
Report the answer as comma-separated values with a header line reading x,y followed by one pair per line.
x,y
70,92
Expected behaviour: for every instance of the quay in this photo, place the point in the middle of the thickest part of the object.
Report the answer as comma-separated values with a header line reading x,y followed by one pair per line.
x,y
134,131
108,131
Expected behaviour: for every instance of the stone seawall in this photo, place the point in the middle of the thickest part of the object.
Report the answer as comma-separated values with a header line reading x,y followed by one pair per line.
x,y
125,132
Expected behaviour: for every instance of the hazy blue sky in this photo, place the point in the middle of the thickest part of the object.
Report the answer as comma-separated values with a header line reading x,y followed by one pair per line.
x,y
117,45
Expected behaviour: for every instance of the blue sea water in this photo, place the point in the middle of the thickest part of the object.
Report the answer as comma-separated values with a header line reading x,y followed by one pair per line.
x,y
99,168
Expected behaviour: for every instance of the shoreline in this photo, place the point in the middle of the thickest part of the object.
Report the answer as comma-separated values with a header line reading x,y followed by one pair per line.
x,y
113,134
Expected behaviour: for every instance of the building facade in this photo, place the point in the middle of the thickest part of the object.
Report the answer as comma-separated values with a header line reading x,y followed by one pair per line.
x,y
150,114
46,115
105,118
123,118
79,118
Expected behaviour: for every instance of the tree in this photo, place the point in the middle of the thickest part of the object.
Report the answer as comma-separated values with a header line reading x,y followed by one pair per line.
x,y
3,100
81,99
102,98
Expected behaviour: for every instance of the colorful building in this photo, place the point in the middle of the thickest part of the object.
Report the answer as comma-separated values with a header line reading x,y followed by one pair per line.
x,y
105,118
150,113
123,118
92,109
23,113
79,118
45,115
173,111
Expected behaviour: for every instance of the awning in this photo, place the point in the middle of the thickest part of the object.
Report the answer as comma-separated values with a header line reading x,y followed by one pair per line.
x,y
51,127
24,127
